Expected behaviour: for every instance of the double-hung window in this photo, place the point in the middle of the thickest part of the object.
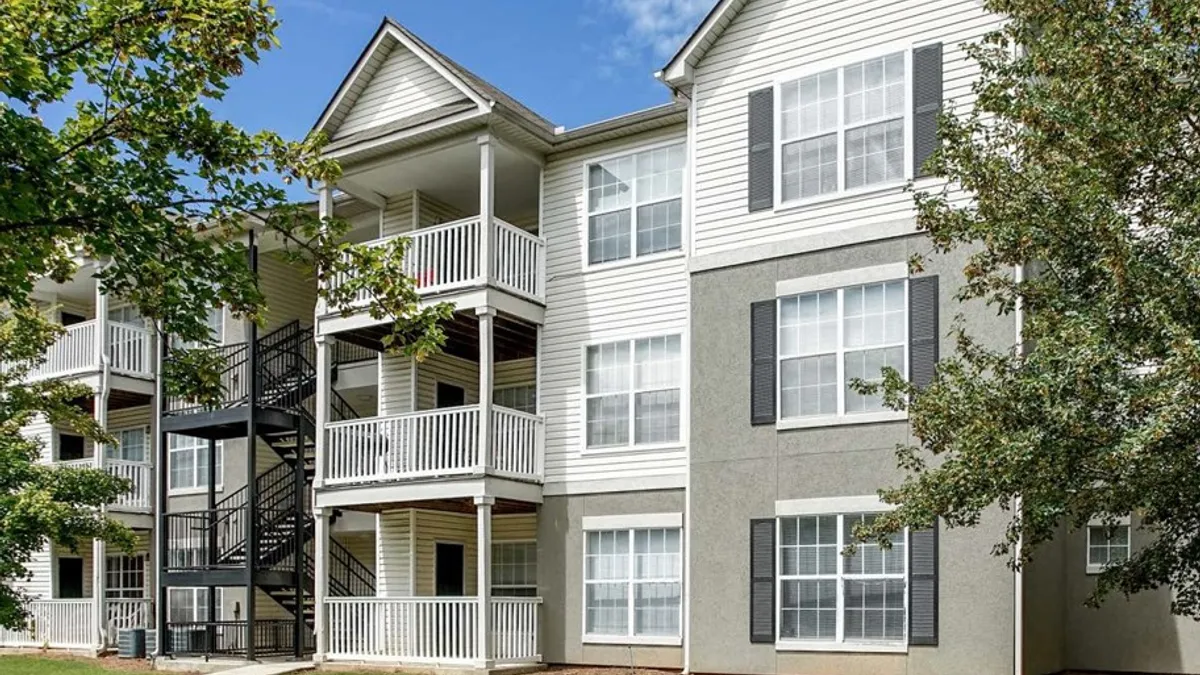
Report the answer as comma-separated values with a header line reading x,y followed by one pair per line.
x,y
633,392
635,204
514,569
633,583
1107,544
189,605
829,338
215,320
125,576
132,445
843,128
826,597
188,462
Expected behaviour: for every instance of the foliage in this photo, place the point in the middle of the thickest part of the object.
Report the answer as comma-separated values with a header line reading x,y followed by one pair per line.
x,y
1081,156
143,179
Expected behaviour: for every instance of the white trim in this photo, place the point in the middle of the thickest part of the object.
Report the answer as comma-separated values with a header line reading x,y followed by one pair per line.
x,y
830,280
824,506
1102,522
634,258
678,69
839,65
841,420
1120,521
186,492
827,238
631,445
631,580
860,647
633,483
661,640
636,521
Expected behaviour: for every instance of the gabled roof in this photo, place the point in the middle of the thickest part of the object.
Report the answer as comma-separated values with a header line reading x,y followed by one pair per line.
x,y
678,70
474,88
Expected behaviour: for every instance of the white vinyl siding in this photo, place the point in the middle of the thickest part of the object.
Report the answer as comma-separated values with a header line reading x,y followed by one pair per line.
x,y
604,304
394,554
395,385
290,292
764,42
404,85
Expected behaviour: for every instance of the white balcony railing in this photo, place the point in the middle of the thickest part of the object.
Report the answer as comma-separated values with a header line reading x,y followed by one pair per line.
x,y
129,352
125,613
431,630
58,624
448,257
139,473
430,443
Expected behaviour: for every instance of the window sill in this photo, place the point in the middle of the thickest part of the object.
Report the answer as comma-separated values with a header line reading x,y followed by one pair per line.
x,y
624,449
630,262
841,420
849,647
656,640
794,206
188,492
1096,569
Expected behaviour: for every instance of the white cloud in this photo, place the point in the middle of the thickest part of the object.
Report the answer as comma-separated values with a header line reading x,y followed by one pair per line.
x,y
655,26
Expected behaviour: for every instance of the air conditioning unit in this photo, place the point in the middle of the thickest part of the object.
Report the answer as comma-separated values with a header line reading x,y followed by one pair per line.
x,y
151,642
131,643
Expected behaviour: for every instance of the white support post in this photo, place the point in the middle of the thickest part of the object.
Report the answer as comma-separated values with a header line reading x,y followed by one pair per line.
x,y
321,582
487,183
483,577
324,385
99,558
487,317
324,210
101,328
539,407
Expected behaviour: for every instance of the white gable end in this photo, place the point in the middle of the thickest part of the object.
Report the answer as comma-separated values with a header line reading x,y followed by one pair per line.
x,y
402,86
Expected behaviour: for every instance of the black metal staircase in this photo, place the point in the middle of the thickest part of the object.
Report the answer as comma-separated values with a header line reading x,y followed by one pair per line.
x,y
270,536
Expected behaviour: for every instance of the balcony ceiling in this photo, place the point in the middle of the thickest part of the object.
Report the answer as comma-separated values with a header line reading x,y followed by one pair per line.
x,y
451,174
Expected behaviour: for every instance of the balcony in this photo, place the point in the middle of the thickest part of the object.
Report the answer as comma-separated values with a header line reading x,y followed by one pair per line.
x,y
129,348
448,258
433,444
431,630
139,498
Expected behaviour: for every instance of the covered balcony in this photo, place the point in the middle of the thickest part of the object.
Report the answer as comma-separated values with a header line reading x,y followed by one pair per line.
x,y
128,348
140,497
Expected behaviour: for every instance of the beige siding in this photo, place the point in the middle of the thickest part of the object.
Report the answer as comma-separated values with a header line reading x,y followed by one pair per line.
x,y
395,385
361,545
397,215
290,291
364,400
40,580
765,41
448,369
598,305
522,527
393,555
433,211
517,371
438,526
403,86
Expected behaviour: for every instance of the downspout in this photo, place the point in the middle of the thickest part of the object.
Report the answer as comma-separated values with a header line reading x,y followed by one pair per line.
x,y
1018,575
687,378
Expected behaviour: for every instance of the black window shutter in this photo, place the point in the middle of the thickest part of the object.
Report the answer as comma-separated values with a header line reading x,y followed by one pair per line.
x,y
922,329
762,580
760,158
762,362
923,586
927,103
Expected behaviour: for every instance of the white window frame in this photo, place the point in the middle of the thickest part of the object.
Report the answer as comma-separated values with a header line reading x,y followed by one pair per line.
x,y
504,587
629,525
124,566
839,507
145,429
632,444
684,207
195,591
513,387
839,282
123,309
1124,522
199,487
840,65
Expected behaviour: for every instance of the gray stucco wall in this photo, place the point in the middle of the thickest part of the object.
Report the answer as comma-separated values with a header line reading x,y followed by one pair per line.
x,y
560,577
738,471
1043,637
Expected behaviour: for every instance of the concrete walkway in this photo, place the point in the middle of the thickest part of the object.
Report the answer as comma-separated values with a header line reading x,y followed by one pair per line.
x,y
270,668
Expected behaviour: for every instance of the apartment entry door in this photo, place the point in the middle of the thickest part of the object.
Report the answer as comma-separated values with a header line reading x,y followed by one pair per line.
x,y
70,577
449,562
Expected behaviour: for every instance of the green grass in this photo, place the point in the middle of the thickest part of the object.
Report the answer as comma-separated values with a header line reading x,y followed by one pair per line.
x,y
40,665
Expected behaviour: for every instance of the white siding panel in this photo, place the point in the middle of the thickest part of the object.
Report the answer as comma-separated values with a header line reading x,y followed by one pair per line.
x,y
40,583
393,557
440,526
521,527
403,86
361,545
290,291
395,385
598,305
398,214
43,432
515,372
765,41
433,211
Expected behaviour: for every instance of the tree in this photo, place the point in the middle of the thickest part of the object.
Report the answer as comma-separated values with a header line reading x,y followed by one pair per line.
x,y
142,176
1081,158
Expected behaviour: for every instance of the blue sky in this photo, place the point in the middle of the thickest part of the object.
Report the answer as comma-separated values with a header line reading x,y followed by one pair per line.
x,y
572,61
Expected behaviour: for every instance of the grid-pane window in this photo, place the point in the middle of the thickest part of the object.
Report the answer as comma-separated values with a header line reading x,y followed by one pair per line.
x,y
858,110
633,582
635,204
126,314
829,338
188,461
825,596
132,445
1106,545
187,605
521,397
633,392
124,576
514,569
215,320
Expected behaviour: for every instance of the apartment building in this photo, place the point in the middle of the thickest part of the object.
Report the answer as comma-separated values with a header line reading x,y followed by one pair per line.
x,y
637,446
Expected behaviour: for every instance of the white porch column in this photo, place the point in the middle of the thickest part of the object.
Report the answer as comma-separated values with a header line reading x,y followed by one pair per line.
x,y
483,577
487,182
487,318
101,329
99,548
324,210
321,582
324,384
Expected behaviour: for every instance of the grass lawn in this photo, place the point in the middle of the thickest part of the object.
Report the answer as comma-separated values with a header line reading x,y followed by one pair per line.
x,y
30,664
